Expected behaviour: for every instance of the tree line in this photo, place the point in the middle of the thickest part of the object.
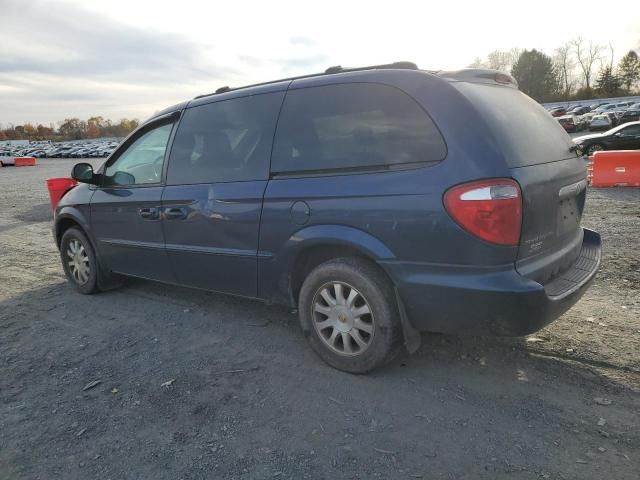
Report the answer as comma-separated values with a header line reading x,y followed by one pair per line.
x,y
70,129
577,70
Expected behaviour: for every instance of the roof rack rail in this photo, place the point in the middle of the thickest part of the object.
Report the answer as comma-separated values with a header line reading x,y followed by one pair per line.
x,y
328,71
396,65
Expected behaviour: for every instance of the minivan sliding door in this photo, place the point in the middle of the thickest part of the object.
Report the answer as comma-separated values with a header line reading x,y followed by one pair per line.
x,y
218,171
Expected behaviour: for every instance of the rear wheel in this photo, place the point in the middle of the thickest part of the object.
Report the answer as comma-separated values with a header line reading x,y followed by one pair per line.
x,y
594,147
79,261
348,312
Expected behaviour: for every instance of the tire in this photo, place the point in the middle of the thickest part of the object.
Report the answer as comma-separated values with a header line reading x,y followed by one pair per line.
x,y
79,261
372,339
594,147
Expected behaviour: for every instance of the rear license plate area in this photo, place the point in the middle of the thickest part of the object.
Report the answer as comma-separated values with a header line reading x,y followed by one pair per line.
x,y
568,216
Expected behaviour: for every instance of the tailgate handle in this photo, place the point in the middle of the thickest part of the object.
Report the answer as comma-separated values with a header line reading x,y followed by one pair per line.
x,y
572,190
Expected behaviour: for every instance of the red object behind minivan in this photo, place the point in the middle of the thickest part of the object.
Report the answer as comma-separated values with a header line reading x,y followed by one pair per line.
x,y
58,187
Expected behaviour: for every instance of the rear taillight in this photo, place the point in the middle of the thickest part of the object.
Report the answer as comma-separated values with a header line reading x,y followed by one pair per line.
x,y
489,209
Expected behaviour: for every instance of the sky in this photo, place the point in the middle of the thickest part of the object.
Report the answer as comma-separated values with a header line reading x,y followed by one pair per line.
x,y
131,58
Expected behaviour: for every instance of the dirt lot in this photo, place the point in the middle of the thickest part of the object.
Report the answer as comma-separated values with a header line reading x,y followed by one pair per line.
x,y
196,385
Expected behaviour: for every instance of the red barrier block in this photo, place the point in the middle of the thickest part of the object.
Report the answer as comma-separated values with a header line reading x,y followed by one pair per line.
x,y
25,161
58,187
616,168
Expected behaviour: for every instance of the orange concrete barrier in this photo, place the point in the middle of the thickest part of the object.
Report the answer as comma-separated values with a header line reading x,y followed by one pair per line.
x,y
25,161
589,169
616,168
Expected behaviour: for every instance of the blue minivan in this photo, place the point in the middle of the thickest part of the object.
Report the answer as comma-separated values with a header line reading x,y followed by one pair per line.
x,y
379,202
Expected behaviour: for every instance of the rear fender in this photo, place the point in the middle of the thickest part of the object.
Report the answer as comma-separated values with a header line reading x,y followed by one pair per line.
x,y
276,269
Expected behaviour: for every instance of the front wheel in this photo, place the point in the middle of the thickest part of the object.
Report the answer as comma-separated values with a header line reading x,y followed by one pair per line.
x,y
594,147
349,315
79,261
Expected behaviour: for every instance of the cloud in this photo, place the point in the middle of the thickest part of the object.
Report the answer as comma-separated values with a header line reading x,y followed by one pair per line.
x,y
307,62
48,47
74,41
301,40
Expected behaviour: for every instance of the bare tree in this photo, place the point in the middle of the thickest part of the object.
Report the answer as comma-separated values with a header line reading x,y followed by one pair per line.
x,y
502,60
498,60
477,63
612,55
565,64
586,57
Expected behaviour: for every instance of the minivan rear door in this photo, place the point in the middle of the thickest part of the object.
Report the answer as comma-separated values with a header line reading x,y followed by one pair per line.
x,y
216,178
551,175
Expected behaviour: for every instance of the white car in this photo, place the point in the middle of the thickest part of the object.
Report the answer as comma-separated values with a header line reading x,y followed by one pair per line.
x,y
608,107
600,122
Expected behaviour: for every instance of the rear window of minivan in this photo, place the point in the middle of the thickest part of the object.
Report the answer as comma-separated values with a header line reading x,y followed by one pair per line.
x,y
526,133
352,126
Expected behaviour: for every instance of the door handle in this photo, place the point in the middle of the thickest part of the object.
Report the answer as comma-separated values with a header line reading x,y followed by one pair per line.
x,y
175,213
149,213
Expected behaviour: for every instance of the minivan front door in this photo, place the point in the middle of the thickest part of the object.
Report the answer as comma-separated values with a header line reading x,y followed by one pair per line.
x,y
216,178
126,207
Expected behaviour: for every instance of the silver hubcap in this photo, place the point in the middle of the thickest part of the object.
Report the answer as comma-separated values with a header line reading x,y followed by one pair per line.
x,y
343,319
78,262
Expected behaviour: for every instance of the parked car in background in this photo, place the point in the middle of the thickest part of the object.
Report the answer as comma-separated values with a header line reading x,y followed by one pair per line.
x,y
558,111
630,116
608,107
623,137
583,121
570,123
353,196
615,118
600,122
579,110
71,149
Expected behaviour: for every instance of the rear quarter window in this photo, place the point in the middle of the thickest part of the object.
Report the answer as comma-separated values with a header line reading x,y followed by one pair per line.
x,y
526,133
351,126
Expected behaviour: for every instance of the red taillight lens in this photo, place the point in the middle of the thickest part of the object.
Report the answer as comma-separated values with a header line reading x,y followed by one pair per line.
x,y
489,209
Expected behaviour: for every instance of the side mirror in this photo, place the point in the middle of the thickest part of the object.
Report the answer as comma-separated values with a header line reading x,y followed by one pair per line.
x,y
82,172
619,134
123,178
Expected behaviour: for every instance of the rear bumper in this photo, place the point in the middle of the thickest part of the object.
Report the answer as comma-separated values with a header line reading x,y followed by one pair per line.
x,y
489,301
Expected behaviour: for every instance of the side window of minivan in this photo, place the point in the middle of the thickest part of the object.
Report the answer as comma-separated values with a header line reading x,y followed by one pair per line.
x,y
141,162
225,141
351,126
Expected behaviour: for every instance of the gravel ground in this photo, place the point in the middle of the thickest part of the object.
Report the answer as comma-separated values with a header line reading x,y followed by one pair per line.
x,y
193,385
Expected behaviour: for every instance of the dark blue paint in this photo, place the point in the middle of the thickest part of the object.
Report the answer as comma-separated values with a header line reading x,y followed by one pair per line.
x,y
127,242
215,247
245,238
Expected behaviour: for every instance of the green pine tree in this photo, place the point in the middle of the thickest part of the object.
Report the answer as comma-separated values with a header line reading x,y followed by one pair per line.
x,y
629,69
608,84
